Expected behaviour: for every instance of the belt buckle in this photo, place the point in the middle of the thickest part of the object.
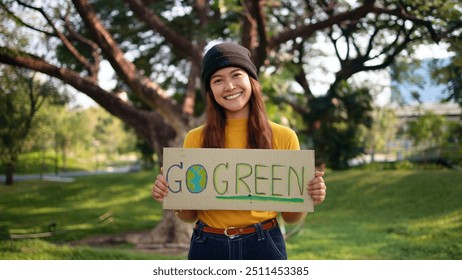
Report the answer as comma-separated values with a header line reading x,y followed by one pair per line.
x,y
230,235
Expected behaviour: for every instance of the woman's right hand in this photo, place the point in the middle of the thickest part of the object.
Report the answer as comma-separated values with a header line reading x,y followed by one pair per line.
x,y
160,187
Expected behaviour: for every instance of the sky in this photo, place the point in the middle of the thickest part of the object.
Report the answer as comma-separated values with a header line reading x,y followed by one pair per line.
x,y
430,92
105,81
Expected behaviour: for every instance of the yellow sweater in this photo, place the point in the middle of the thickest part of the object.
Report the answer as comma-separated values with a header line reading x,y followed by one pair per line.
x,y
284,138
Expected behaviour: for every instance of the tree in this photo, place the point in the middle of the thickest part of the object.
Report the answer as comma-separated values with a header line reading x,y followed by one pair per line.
x,y
154,51
65,129
21,97
109,132
450,74
382,132
429,129
72,132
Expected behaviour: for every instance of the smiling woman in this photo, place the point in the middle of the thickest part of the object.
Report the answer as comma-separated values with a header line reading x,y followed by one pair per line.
x,y
232,90
236,118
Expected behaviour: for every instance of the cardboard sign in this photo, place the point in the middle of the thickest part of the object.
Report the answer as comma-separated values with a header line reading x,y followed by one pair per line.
x,y
238,179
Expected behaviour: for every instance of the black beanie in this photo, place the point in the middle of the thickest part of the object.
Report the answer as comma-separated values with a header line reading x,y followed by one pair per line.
x,y
225,55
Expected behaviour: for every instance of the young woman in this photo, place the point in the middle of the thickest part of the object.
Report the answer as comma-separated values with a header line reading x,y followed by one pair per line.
x,y
236,118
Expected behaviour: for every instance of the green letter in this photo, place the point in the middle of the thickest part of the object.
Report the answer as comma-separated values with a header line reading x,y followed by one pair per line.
x,y
274,179
239,177
258,178
215,183
301,183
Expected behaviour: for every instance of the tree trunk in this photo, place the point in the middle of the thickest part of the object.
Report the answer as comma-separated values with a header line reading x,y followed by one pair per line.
x,y
170,232
9,174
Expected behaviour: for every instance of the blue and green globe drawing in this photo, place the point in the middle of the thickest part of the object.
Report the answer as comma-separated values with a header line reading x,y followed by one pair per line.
x,y
196,178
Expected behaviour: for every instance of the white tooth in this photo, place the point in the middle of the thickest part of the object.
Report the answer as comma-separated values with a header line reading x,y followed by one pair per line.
x,y
233,96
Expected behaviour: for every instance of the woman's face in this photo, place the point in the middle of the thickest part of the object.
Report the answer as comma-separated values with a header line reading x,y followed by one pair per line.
x,y
232,90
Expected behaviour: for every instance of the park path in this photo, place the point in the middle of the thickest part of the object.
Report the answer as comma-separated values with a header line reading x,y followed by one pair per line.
x,y
70,176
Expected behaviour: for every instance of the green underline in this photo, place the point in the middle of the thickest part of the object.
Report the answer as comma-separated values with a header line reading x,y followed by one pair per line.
x,y
262,198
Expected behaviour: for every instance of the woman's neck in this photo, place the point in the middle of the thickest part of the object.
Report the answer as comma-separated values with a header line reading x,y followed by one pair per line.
x,y
241,114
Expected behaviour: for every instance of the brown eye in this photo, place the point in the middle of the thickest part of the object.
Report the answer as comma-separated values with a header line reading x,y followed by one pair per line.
x,y
216,81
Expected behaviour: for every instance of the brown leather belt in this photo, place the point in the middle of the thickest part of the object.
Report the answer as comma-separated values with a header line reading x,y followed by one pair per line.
x,y
233,231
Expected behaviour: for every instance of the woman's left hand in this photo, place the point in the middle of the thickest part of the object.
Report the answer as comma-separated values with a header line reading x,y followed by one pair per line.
x,y
317,188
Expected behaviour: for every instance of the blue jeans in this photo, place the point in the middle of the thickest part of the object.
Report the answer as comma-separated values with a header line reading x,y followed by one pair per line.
x,y
261,245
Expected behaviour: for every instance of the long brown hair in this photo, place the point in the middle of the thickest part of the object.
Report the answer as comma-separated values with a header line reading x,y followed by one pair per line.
x,y
259,133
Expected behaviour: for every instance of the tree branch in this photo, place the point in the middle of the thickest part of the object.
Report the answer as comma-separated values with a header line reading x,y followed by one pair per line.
x,y
21,22
148,91
69,46
114,105
190,96
93,68
300,77
201,7
356,65
307,30
401,13
183,45
257,19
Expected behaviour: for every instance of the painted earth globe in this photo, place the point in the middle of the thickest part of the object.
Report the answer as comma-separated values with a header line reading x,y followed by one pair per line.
x,y
196,178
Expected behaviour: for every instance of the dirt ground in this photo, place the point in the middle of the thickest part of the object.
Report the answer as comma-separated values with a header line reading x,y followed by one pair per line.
x,y
112,241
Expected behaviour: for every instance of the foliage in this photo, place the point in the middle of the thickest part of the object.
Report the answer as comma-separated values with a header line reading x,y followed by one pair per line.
x,y
342,122
110,133
338,121
450,74
382,131
67,139
398,165
276,88
45,161
155,55
21,98
403,71
429,128
447,155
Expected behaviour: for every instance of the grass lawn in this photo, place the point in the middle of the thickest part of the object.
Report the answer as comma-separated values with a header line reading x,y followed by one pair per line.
x,y
367,215
95,205
385,215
